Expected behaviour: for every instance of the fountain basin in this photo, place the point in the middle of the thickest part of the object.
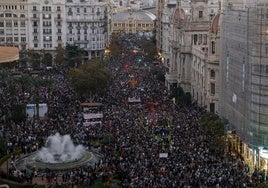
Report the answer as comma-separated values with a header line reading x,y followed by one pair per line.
x,y
29,162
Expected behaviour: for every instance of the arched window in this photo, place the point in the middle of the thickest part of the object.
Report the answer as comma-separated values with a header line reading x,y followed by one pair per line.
x,y
212,74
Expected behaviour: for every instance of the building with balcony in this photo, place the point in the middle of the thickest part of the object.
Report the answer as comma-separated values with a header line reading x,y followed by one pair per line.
x,y
43,25
87,26
46,23
14,23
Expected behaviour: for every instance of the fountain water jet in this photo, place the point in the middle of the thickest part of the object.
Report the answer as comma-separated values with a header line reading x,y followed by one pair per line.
x,y
59,149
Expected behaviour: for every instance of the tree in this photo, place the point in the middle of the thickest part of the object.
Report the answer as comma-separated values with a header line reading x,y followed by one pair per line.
x,y
73,56
214,128
115,47
150,50
18,113
90,79
3,146
34,59
37,83
59,59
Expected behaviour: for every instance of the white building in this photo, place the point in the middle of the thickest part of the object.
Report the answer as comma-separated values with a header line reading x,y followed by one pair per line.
x,y
13,23
43,25
87,25
46,24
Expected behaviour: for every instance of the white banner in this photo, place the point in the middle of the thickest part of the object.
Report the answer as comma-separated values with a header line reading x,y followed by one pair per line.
x,y
134,99
31,110
93,115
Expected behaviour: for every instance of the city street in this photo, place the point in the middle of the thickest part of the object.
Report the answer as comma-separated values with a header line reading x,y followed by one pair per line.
x,y
157,144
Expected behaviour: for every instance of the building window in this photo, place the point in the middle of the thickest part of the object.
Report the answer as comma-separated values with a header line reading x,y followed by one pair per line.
x,y
59,38
85,10
34,8
8,15
200,14
35,45
70,11
1,24
212,88
199,39
8,24
212,74
46,16
227,67
195,39
213,47
58,8
243,77
78,10
205,39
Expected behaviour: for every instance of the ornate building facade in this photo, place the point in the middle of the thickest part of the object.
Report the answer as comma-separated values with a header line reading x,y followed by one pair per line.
x,y
193,63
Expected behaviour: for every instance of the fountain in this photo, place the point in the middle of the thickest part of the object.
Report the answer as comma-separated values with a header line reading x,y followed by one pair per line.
x,y
59,149
58,154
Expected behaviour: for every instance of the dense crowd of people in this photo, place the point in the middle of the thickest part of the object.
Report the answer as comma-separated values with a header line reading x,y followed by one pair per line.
x,y
157,144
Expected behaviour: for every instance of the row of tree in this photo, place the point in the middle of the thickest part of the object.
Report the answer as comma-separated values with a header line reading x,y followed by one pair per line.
x,y
70,56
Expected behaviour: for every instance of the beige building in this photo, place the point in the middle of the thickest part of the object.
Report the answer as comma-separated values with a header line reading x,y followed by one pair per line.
x,y
133,21
194,54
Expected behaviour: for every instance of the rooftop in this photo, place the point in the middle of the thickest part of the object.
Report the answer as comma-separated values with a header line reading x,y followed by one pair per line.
x,y
8,54
142,15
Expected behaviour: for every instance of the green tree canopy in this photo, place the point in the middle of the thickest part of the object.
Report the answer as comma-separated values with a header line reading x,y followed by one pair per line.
x,y
3,146
34,59
59,59
115,46
150,50
214,128
90,79
73,56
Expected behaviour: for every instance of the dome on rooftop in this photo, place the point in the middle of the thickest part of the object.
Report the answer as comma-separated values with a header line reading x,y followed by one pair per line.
x,y
215,24
142,15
